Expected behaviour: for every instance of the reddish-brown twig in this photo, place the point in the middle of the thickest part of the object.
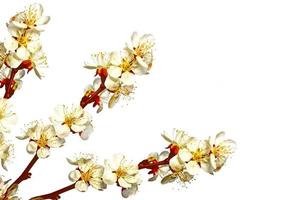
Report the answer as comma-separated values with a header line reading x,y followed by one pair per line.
x,y
145,164
90,99
56,194
25,174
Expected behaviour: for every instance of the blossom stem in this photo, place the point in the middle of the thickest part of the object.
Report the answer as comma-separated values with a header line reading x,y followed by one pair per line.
x,y
25,174
146,164
87,100
9,86
56,194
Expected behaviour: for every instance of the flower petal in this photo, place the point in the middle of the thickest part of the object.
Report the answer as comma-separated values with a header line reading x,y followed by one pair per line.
x,y
109,177
81,186
74,175
123,183
43,152
43,20
184,155
192,167
31,147
175,164
11,44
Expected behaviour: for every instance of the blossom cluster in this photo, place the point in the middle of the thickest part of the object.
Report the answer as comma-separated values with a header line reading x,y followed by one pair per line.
x,y
65,120
7,119
185,157
115,74
118,170
115,71
22,49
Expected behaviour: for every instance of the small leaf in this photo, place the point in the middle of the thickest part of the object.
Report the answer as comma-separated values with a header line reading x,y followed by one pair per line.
x,y
169,178
37,73
113,100
153,178
185,177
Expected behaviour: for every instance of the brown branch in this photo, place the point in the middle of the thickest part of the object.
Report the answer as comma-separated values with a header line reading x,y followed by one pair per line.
x,y
148,164
9,85
25,174
87,100
56,194
145,164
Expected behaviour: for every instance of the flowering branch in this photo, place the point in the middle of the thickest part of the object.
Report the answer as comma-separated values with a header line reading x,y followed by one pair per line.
x,y
115,78
185,157
145,164
24,176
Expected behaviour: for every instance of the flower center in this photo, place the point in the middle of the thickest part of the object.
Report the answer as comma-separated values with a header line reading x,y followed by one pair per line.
x,y
126,65
23,40
30,17
198,155
42,142
86,176
120,172
69,121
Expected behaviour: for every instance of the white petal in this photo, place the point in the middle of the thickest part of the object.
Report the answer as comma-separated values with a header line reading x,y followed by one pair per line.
x,y
87,132
193,145
135,38
11,44
23,53
55,142
96,183
123,183
34,46
117,160
219,137
81,186
109,177
74,175
85,166
31,147
184,155
131,179
175,164
127,78
20,25
13,61
206,166
43,152
192,167
62,131
114,72
213,161
111,84
116,58
142,67
77,128
43,20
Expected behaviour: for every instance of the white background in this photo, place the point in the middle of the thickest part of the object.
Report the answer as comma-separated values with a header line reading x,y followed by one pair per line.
x,y
219,65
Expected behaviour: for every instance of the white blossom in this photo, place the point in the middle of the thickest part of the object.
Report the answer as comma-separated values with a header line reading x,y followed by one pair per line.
x,y
88,173
7,117
220,149
31,18
120,171
74,119
41,139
